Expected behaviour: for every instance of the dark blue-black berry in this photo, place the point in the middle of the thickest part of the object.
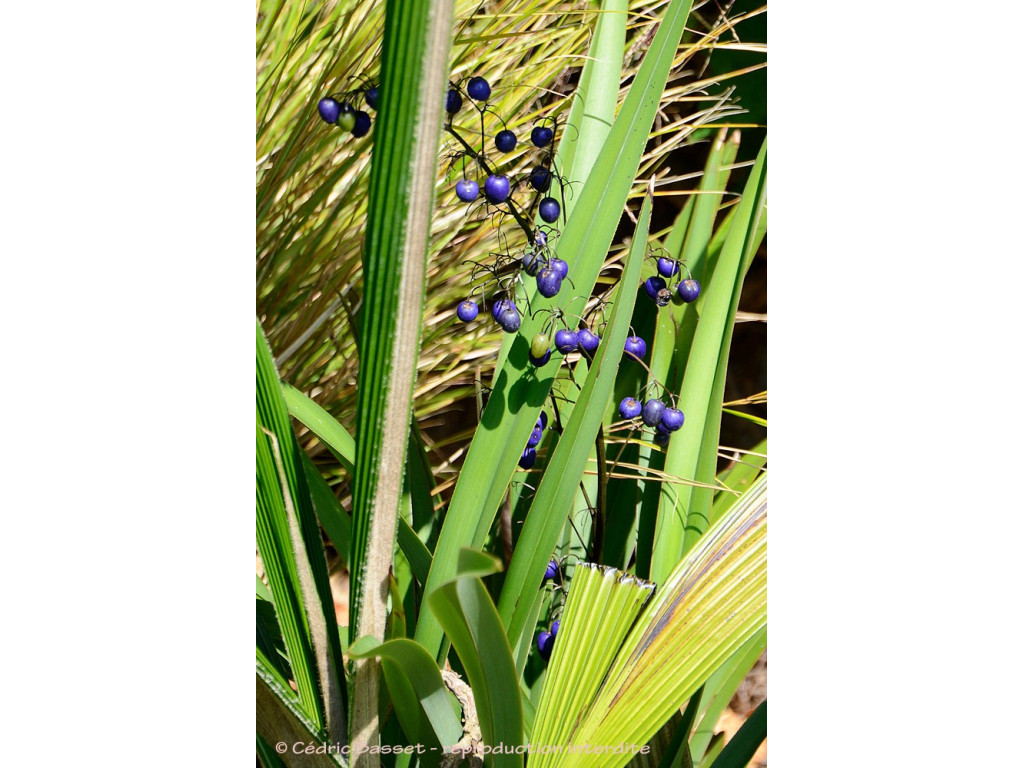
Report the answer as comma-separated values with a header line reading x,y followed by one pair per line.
x,y
541,136
478,89
467,311
496,189
362,125
549,210
661,438
689,290
538,361
540,178
636,346
629,408
505,141
329,110
545,644
371,96
549,282
467,190
453,101
528,458
652,412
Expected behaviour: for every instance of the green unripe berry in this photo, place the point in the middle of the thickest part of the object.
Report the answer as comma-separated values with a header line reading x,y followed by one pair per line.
x,y
539,345
347,120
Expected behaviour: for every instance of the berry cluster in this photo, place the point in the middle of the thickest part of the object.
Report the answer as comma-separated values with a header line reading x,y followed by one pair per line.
x,y
657,288
337,109
653,413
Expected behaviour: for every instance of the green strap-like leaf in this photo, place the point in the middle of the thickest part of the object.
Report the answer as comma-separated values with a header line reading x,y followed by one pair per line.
x,y
741,747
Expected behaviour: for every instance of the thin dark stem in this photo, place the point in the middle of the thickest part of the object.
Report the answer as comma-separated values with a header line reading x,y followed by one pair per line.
x,y
597,545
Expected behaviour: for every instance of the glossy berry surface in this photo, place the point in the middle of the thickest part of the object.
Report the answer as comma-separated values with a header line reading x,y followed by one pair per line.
x,y
566,341
551,570
539,345
672,419
635,346
453,101
510,320
689,290
329,110
535,437
629,408
560,267
540,178
549,210
500,306
467,311
549,282
347,117
363,123
589,340
496,188
554,628
371,96
531,263
545,643
467,190
652,285
505,141
542,420
541,136
668,267
652,412
528,458
478,89
538,360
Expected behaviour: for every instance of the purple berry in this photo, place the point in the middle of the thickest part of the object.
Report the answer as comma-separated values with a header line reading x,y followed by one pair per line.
x,y
371,96
551,570
541,136
629,408
652,285
500,306
535,437
467,311
505,141
566,341
531,263
545,642
329,110
652,412
560,267
661,438
549,282
689,290
636,347
588,340
540,178
453,102
554,628
668,267
478,89
496,188
363,123
467,190
543,419
540,237
510,320
672,419
549,210
540,361
528,458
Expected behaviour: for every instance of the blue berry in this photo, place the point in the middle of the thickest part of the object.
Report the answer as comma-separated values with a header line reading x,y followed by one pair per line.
x,y
540,237
668,267
549,282
329,110
661,438
535,437
652,285
540,178
689,290
453,102
531,263
371,96
672,419
554,628
467,311
505,141
629,408
541,136
467,190
510,320
545,643
551,571
549,210
496,189
363,123
636,346
588,340
537,362
652,412
528,458
500,306
542,420
478,89
566,341
560,267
